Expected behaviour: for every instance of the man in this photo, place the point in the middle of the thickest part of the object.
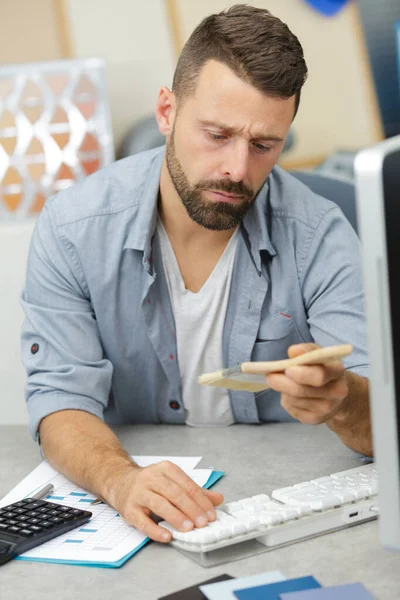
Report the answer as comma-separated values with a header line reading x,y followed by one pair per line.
x,y
171,263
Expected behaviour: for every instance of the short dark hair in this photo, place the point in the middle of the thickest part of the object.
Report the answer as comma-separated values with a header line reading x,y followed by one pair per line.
x,y
258,47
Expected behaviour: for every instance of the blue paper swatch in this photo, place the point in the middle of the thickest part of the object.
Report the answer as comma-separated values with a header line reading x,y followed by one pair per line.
x,y
351,591
224,589
273,590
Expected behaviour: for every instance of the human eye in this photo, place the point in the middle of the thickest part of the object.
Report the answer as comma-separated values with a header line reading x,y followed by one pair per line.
x,y
217,137
261,148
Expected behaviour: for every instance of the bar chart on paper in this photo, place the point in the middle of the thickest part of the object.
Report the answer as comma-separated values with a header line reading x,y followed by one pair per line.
x,y
106,540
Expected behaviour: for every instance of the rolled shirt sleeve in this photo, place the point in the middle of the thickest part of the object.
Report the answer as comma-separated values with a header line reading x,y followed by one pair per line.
x,y
61,346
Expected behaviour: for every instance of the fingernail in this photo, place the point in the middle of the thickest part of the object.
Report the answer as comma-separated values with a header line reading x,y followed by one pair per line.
x,y
165,536
186,525
200,521
211,515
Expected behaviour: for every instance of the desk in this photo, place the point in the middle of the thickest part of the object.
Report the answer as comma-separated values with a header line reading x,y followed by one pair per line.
x,y
256,459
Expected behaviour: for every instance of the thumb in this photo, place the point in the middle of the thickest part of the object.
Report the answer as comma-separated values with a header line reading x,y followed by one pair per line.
x,y
298,349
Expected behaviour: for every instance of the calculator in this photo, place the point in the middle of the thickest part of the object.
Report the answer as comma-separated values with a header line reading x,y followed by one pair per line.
x,y
30,522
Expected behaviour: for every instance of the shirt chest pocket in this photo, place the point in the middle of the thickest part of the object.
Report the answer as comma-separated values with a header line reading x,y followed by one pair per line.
x,y
274,337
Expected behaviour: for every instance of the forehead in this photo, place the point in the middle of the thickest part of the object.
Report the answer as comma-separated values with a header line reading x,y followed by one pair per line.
x,y
221,95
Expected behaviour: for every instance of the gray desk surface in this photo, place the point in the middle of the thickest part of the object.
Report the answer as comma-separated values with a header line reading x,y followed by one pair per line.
x,y
256,459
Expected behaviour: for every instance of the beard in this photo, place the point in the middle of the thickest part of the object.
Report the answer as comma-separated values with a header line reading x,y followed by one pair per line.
x,y
218,216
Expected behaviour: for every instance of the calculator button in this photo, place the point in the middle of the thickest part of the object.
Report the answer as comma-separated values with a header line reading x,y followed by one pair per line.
x,y
77,512
26,501
65,509
12,522
19,504
43,509
32,513
22,518
14,528
34,521
68,517
25,532
36,504
9,515
56,520
55,513
35,528
47,524
20,511
3,526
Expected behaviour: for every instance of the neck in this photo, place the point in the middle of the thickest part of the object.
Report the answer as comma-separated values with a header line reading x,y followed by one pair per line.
x,y
177,223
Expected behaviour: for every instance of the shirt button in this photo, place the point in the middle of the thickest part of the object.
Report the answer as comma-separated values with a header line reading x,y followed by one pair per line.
x,y
174,405
34,348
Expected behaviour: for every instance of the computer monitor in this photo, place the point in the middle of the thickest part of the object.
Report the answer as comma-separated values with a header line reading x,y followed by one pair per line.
x,y
377,176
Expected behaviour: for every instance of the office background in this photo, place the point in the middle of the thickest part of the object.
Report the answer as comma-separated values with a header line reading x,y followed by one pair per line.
x,y
341,108
141,40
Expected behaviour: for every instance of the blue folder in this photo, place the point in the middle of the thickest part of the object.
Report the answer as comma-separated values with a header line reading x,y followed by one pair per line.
x,y
272,591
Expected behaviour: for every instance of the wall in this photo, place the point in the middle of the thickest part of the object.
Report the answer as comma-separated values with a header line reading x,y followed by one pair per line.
x,y
140,41
38,35
134,38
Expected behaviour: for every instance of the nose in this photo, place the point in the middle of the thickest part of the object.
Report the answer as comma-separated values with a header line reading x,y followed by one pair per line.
x,y
236,163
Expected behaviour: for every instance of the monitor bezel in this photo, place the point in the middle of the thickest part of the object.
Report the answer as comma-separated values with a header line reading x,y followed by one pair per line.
x,y
372,201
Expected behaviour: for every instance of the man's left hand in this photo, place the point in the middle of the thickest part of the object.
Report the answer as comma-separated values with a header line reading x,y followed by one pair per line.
x,y
312,394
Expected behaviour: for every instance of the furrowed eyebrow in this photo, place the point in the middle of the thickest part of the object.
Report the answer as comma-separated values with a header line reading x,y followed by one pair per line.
x,y
232,130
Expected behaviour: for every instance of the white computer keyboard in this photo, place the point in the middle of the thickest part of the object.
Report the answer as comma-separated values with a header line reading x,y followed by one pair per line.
x,y
293,513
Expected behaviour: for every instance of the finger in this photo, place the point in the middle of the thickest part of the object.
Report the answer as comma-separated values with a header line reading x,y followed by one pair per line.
x,y
282,383
139,519
298,349
162,507
177,496
194,491
316,375
312,412
216,497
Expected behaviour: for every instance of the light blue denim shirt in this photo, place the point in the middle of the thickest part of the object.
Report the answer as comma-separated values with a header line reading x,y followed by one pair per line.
x,y
99,332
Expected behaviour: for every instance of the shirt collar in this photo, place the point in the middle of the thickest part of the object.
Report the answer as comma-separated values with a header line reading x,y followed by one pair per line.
x,y
255,225
144,223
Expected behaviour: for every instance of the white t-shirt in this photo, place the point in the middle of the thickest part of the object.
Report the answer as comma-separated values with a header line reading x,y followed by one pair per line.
x,y
199,321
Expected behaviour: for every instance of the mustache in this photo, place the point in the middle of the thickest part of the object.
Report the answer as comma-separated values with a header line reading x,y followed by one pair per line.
x,y
238,188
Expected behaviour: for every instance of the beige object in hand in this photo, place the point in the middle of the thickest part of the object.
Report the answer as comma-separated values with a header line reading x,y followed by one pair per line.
x,y
250,376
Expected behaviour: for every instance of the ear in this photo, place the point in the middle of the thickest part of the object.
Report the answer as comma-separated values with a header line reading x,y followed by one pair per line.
x,y
165,111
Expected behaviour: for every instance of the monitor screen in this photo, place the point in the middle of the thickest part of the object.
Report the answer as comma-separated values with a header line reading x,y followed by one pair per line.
x,y
391,210
377,175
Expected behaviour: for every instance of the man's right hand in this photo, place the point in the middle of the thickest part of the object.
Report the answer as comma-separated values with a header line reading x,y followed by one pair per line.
x,y
165,490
